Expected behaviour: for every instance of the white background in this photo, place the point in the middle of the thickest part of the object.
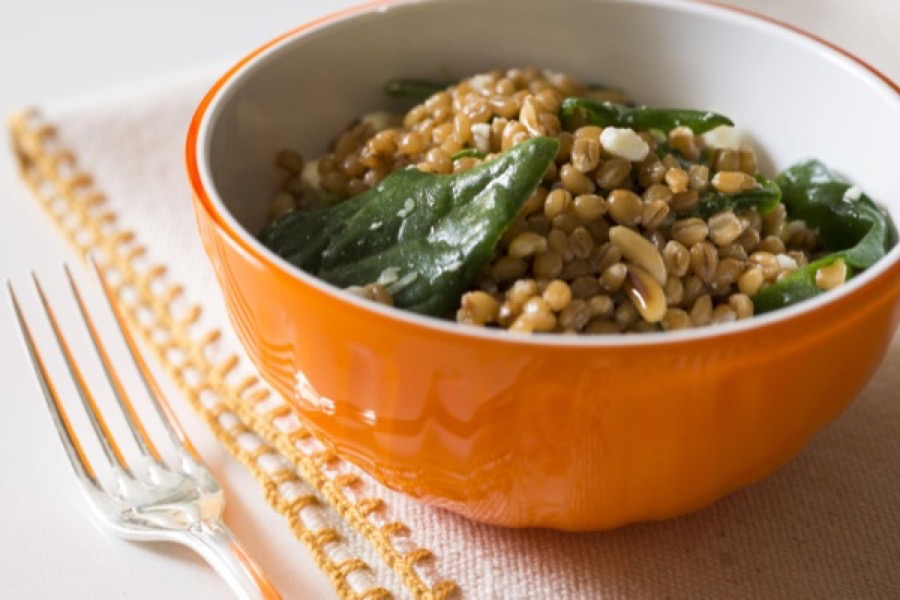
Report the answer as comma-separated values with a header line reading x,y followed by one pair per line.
x,y
55,48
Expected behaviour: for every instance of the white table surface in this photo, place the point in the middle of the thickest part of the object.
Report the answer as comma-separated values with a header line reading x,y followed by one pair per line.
x,y
49,548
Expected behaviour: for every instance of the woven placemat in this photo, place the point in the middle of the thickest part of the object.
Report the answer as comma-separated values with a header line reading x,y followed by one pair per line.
x,y
299,476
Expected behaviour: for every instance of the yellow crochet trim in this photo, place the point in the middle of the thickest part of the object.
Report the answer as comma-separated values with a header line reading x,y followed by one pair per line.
x,y
255,425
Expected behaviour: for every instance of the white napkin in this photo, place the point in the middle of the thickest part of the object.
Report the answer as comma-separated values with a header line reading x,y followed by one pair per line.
x,y
827,525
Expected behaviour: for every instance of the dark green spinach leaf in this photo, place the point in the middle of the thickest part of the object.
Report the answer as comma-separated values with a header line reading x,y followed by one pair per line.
x,y
851,227
575,112
417,89
423,236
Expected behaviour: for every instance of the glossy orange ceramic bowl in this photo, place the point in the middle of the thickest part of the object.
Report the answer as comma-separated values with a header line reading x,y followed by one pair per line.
x,y
572,433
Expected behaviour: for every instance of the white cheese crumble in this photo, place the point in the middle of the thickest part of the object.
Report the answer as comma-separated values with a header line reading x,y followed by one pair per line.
x,y
785,261
375,225
401,283
389,276
481,136
724,136
853,193
624,143
310,173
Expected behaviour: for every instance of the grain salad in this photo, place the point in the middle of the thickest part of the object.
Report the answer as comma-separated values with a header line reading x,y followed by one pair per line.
x,y
639,220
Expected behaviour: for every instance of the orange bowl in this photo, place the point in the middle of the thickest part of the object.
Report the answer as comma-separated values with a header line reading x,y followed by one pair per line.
x,y
570,433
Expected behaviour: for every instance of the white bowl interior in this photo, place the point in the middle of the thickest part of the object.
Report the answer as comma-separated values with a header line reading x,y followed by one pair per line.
x,y
793,97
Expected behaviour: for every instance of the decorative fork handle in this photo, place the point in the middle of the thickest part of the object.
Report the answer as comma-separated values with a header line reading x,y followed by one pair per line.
x,y
214,542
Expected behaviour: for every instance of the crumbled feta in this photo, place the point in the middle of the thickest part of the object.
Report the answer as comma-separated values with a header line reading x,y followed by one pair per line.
x,y
389,276
310,174
624,143
401,283
481,136
785,261
724,136
853,193
375,225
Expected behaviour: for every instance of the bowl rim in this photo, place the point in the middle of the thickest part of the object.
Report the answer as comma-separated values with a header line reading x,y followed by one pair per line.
x,y
201,181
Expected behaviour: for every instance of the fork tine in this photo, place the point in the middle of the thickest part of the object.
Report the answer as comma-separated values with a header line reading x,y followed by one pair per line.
x,y
145,444
67,436
166,415
110,448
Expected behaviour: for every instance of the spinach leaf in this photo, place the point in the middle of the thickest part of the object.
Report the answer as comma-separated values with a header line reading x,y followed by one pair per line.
x,y
850,227
575,112
417,89
424,236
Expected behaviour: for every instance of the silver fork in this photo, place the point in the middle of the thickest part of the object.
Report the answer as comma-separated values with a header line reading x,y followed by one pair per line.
x,y
181,503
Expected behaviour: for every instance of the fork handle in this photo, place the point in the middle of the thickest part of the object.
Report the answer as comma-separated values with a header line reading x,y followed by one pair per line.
x,y
217,544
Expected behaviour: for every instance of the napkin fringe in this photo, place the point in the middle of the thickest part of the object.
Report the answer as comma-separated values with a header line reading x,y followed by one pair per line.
x,y
255,425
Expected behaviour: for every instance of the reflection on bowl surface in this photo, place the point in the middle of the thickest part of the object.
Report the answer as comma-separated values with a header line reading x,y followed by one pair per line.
x,y
569,433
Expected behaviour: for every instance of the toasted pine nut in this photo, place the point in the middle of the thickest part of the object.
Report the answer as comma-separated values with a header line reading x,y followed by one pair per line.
x,y
640,251
646,293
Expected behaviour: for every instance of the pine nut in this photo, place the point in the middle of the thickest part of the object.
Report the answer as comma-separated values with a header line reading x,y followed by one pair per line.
x,y
646,293
638,250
